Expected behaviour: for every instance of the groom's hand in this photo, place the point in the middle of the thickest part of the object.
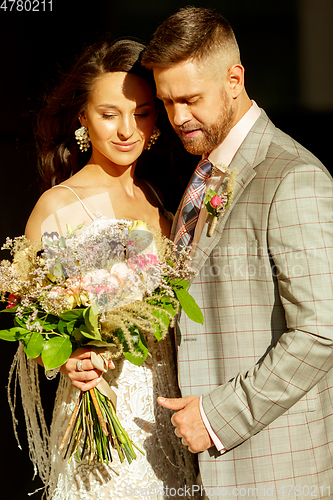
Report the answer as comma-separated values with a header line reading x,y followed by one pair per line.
x,y
188,422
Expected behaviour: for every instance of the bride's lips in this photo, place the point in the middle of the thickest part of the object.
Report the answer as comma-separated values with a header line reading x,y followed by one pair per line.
x,y
126,146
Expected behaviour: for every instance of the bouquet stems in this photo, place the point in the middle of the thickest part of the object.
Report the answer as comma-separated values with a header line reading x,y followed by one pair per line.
x,y
94,429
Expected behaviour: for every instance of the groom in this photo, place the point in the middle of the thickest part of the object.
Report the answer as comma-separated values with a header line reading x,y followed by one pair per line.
x,y
256,378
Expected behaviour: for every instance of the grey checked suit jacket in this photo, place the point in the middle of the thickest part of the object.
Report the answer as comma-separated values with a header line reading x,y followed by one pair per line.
x,y
262,359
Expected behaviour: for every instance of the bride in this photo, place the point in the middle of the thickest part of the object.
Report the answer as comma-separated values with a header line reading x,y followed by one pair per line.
x,y
108,102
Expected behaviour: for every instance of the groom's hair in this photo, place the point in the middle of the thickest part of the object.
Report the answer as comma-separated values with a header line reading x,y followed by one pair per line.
x,y
193,33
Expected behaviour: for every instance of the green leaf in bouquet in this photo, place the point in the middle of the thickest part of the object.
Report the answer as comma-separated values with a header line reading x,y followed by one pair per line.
x,y
100,343
72,315
139,344
165,318
62,326
90,315
62,242
47,242
168,306
165,303
179,283
15,333
189,305
50,323
66,328
70,325
10,310
77,335
70,230
57,270
56,352
20,322
90,334
35,345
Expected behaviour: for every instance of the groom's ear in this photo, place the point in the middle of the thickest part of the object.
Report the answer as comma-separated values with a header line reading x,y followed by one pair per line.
x,y
235,80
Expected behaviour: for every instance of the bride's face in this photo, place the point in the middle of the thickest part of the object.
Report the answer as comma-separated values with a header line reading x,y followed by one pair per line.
x,y
120,117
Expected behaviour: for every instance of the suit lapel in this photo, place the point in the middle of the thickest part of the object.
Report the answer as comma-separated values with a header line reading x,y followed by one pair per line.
x,y
251,153
207,243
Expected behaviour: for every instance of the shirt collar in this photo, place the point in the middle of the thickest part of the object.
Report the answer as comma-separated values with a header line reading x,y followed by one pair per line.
x,y
225,152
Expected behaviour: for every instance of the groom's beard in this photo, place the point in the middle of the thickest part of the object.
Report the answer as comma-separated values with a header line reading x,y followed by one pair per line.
x,y
212,135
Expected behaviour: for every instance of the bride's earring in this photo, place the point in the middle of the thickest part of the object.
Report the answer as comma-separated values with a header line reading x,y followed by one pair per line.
x,y
82,138
153,138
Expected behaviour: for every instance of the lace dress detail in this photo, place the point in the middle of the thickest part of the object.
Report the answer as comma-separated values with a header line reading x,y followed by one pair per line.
x,y
166,463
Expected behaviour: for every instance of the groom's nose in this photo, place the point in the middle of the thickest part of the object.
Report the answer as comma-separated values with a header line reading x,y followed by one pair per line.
x,y
179,113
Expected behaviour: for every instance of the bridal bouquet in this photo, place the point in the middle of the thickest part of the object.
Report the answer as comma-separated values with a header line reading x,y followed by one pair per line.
x,y
106,288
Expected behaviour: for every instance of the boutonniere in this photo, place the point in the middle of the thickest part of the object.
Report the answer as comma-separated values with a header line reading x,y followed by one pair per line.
x,y
217,204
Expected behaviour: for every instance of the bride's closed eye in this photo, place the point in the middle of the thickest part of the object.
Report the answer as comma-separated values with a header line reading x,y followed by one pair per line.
x,y
108,116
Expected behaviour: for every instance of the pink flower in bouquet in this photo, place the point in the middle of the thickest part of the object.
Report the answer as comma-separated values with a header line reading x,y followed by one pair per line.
x,y
59,293
144,261
120,286
12,301
99,282
73,293
216,201
127,280
121,272
74,288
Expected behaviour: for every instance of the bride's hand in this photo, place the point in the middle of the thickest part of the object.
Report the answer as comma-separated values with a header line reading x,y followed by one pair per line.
x,y
89,377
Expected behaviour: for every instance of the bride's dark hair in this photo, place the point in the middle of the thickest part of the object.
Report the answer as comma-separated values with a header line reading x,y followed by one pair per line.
x,y
58,153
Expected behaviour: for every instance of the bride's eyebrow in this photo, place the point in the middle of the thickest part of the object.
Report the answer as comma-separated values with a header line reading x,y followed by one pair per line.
x,y
106,105
112,106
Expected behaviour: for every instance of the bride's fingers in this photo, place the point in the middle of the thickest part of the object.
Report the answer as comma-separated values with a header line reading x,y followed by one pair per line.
x,y
79,360
78,365
86,385
86,376
83,365
81,353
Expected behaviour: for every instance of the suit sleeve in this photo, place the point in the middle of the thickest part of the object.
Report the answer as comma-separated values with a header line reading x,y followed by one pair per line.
x,y
300,241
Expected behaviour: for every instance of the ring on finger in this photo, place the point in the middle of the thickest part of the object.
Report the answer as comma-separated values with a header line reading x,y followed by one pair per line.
x,y
79,366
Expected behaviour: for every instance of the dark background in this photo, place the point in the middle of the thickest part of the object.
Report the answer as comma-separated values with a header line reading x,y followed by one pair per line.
x,y
287,51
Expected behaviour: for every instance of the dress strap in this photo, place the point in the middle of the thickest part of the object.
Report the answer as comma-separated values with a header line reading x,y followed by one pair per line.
x,y
91,214
168,215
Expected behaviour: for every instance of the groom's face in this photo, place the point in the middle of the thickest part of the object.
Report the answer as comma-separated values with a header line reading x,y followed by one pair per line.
x,y
198,104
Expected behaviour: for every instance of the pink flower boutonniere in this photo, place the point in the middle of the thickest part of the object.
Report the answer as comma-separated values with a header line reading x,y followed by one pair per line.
x,y
216,204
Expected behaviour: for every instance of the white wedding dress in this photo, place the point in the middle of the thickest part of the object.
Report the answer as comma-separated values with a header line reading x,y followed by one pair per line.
x,y
165,470
166,463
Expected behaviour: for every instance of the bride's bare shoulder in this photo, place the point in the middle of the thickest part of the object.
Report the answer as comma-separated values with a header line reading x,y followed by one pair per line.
x,y
49,203
53,199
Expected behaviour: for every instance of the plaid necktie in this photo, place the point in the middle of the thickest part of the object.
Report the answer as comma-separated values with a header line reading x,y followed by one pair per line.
x,y
191,205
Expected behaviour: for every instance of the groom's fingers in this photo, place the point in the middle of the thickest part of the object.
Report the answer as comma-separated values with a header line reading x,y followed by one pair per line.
x,y
188,423
174,403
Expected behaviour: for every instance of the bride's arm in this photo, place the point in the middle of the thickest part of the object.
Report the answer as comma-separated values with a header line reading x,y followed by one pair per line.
x,y
47,205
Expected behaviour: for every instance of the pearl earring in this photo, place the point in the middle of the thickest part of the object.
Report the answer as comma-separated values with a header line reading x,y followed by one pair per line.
x,y
153,138
82,138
